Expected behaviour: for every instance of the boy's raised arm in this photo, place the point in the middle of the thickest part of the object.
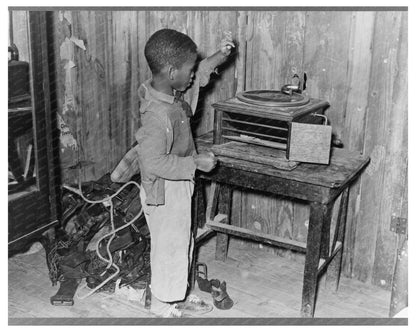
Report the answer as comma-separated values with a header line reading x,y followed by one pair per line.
x,y
206,67
221,55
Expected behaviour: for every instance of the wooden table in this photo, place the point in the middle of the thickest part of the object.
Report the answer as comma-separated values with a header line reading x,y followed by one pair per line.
x,y
319,185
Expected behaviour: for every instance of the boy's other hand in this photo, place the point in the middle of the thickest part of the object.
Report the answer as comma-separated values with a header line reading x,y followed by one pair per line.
x,y
205,161
227,43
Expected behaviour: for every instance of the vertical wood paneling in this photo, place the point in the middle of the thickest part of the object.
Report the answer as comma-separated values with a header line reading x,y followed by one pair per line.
x,y
326,61
395,171
124,83
264,69
143,35
300,220
266,214
95,96
242,38
293,45
374,251
360,57
134,54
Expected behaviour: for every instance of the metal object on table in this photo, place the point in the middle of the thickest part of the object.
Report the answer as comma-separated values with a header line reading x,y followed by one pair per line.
x,y
297,85
268,118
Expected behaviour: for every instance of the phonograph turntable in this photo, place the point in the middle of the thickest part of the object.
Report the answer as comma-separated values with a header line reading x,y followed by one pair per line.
x,y
279,128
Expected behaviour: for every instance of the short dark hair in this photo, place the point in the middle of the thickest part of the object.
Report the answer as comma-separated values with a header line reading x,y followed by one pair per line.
x,y
168,47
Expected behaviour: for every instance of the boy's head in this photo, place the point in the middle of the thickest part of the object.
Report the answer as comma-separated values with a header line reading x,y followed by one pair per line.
x,y
174,53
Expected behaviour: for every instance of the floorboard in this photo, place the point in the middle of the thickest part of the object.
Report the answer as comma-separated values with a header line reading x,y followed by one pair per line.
x,y
261,284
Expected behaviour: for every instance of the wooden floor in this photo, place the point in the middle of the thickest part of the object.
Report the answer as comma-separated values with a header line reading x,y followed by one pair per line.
x,y
261,284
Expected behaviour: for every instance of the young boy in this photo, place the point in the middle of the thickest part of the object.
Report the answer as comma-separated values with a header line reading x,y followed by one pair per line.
x,y
167,159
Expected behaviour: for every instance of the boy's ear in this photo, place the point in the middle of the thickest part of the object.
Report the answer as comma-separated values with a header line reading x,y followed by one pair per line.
x,y
171,73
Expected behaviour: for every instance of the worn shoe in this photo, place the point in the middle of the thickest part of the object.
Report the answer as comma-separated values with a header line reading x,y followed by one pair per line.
x,y
168,311
172,312
202,277
164,309
220,296
193,305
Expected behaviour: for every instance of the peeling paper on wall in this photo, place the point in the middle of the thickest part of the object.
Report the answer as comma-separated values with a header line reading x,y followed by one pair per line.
x,y
66,48
66,51
69,97
62,14
78,42
68,105
70,64
66,138
67,15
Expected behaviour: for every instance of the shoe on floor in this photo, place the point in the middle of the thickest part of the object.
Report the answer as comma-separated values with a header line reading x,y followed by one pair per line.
x,y
164,309
193,305
220,296
173,312
168,311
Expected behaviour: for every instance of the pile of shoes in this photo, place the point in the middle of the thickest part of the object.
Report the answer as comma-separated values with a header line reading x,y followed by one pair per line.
x,y
216,288
71,249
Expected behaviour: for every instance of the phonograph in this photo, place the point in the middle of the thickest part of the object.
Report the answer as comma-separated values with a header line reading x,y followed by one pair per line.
x,y
276,127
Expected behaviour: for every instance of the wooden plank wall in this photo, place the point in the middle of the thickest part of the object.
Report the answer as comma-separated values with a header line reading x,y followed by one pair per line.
x,y
355,60
384,183
106,48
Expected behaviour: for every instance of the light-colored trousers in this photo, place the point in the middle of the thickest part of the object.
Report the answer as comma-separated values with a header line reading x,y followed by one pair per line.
x,y
171,240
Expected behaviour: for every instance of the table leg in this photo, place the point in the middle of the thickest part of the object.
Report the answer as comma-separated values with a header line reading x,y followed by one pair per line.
x,y
199,205
224,208
320,215
326,235
212,203
334,268
198,220
326,231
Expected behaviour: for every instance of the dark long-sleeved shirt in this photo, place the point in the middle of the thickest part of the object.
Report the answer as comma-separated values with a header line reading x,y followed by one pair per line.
x,y
165,145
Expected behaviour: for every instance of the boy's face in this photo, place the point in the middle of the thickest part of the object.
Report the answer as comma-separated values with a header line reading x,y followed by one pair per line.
x,y
184,75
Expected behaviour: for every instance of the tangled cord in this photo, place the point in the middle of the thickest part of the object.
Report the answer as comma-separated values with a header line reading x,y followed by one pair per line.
x,y
112,234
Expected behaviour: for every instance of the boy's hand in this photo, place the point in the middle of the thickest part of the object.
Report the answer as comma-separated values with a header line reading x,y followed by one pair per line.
x,y
227,43
205,161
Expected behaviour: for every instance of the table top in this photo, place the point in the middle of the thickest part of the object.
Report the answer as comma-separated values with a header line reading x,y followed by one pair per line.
x,y
343,167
